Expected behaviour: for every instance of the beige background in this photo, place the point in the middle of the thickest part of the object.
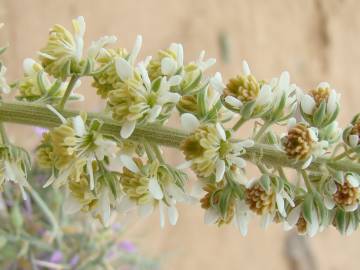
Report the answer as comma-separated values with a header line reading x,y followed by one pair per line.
x,y
315,40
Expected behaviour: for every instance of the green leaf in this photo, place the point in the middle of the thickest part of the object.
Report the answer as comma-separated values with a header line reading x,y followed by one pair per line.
x,y
340,221
247,109
225,201
202,102
155,85
308,208
194,83
319,115
40,82
53,91
279,110
265,183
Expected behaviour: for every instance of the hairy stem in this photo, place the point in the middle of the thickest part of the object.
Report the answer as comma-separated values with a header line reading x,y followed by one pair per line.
x,y
38,115
69,88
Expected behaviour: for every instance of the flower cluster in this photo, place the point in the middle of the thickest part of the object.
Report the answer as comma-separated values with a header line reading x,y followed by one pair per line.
x,y
112,162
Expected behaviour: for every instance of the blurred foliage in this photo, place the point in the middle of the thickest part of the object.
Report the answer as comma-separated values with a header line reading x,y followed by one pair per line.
x,y
28,241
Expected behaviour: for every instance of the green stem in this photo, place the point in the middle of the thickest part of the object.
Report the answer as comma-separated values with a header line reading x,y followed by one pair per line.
x,y
157,152
3,136
37,115
67,93
344,154
262,131
306,180
239,123
47,212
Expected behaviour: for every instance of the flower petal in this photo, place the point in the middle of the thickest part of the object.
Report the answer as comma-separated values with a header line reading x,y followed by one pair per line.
x,y
168,66
284,80
129,163
154,113
220,170
173,215
217,83
162,215
123,69
294,215
332,102
233,101
136,49
280,204
175,80
211,216
353,180
307,163
79,126
155,189
245,68
221,131
265,95
127,129
307,104
353,140
189,122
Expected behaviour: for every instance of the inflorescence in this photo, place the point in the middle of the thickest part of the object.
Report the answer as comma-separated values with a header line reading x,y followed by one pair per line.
x,y
112,162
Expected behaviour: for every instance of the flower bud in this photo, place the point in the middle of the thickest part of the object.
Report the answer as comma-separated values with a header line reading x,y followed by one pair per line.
x,y
321,106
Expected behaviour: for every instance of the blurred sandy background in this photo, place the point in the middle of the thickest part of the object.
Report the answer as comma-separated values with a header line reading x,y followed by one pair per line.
x,y
315,40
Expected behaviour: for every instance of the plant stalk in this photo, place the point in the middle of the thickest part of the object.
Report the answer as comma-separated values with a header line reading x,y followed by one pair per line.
x,y
38,115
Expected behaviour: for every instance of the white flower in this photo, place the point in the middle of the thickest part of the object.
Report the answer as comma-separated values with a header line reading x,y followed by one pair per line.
x,y
62,48
96,46
4,87
344,194
218,151
169,65
245,89
311,105
125,67
11,170
205,64
77,147
311,228
302,142
284,96
98,204
242,217
147,104
153,189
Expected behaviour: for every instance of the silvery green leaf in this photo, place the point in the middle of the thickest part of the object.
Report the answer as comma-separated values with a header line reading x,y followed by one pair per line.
x,y
193,84
55,88
247,109
155,85
275,115
320,207
340,218
333,116
225,201
87,67
308,207
265,183
95,125
40,82
202,102
319,115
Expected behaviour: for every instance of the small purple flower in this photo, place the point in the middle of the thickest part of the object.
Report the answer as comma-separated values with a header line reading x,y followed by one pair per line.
x,y
74,261
56,257
127,246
